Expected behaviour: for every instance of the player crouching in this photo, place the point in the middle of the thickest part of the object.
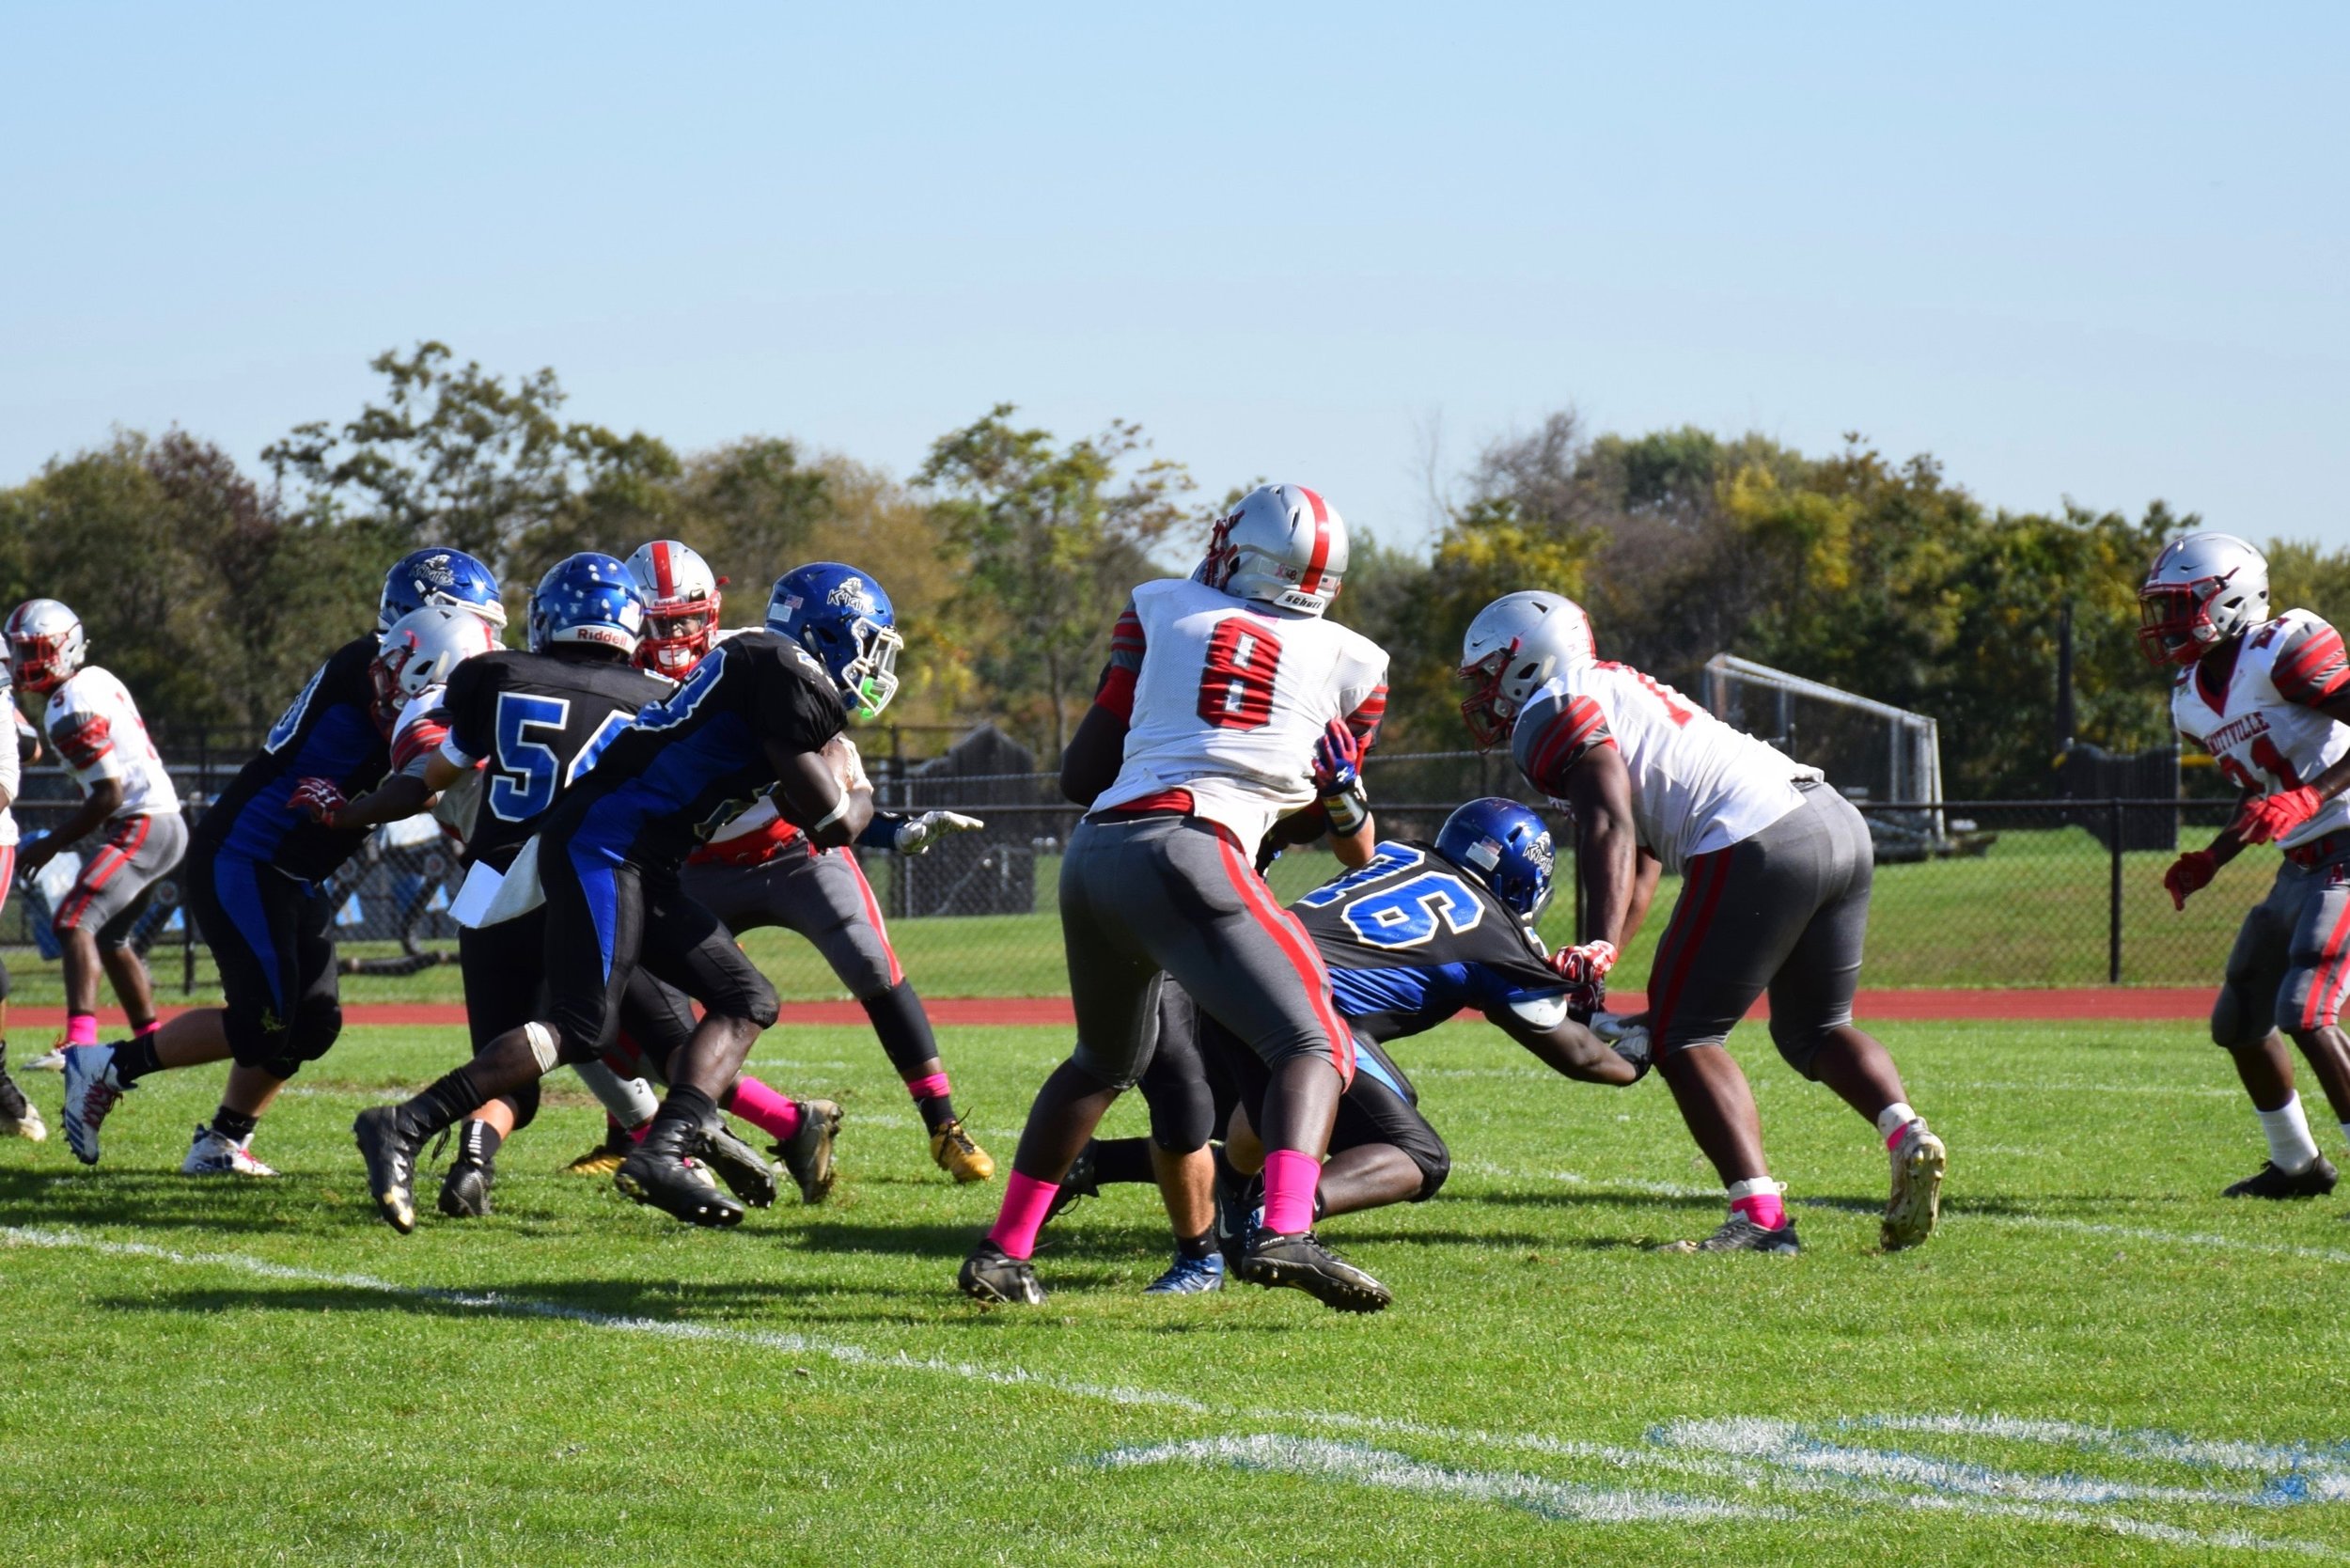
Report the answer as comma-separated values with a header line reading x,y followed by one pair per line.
x,y
2270,701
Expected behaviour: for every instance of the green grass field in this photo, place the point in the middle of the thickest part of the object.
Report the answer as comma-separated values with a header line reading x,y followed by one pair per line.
x,y
2034,911
2098,1361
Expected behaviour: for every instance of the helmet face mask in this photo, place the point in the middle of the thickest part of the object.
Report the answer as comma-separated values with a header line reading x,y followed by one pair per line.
x,y
2202,591
683,605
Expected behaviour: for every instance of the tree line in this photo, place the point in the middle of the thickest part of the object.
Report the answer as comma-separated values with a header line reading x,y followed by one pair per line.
x,y
212,591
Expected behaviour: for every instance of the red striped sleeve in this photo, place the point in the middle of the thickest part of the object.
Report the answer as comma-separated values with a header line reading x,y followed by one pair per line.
x,y
1126,640
419,739
1117,692
83,738
2312,667
1573,731
1366,719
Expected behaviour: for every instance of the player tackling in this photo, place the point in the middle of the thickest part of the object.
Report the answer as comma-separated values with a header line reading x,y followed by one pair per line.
x,y
2269,698
1774,896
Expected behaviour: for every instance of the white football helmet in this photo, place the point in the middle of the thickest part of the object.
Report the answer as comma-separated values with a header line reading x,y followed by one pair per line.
x,y
2203,589
1283,544
45,643
681,606
1515,644
421,650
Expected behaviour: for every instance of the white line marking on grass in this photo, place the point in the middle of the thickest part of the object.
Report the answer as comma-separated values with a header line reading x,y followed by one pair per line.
x,y
2200,1452
1323,1460
2191,1090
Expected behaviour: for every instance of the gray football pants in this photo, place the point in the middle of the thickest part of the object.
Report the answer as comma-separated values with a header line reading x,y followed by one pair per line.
x,y
1146,895
824,896
2291,962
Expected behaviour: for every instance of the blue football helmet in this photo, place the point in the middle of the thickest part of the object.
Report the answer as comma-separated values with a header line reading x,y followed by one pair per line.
x,y
587,598
843,619
438,575
1505,846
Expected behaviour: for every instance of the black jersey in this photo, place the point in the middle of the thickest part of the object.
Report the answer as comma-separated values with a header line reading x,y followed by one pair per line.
x,y
1411,939
331,731
537,723
699,758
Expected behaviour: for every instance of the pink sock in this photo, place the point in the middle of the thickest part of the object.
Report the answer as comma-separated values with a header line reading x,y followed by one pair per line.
x,y
764,1109
1289,1180
1765,1208
932,1086
81,1028
1026,1200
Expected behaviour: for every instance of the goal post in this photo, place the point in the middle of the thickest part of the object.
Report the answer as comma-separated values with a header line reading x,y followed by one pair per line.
x,y
1872,751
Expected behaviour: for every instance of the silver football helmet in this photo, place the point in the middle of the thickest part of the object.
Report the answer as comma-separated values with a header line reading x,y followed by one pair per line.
x,y
2203,589
1283,544
1515,644
46,644
421,650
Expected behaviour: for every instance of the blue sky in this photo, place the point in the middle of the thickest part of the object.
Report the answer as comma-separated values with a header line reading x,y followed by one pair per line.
x,y
2094,250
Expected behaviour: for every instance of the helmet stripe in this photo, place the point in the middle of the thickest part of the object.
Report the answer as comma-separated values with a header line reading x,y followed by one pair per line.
x,y
663,578
1311,581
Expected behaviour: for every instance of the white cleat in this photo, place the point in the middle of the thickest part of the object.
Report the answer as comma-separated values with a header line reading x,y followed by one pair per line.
x,y
29,1126
92,1090
51,1061
211,1154
1916,1204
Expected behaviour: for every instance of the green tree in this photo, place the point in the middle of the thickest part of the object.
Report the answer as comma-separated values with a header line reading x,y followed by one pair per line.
x,y
1049,540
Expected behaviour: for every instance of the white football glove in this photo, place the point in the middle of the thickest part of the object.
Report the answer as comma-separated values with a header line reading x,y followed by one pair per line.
x,y
918,834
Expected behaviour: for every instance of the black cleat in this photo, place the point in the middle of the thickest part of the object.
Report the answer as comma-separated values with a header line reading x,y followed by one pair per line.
x,y
741,1168
1740,1234
465,1190
992,1275
807,1155
2269,1182
1237,1199
659,1172
1301,1262
389,1150
1077,1184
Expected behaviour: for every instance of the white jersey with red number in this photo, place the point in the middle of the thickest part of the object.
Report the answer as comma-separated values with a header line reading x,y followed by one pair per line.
x,y
1225,697
417,735
98,733
1698,784
2264,728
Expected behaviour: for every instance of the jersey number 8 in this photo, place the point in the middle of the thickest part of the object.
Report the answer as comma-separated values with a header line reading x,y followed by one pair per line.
x,y
1236,690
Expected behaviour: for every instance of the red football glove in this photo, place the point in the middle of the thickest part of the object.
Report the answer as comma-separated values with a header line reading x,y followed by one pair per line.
x,y
320,797
2190,872
1585,965
1338,759
2275,816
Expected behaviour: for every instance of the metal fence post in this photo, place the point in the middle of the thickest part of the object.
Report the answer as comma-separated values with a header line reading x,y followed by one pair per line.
x,y
2114,897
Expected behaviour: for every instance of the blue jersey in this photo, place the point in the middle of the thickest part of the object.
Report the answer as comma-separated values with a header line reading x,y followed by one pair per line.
x,y
1411,939
693,761
331,731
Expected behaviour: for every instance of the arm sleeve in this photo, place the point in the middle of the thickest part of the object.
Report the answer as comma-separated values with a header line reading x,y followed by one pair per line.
x,y
1116,691
2309,667
85,739
1557,730
423,730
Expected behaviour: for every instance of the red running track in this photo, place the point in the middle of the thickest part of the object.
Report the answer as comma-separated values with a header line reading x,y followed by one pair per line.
x,y
2173,1004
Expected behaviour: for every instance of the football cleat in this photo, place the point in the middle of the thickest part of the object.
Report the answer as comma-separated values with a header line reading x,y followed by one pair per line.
x,y
605,1157
992,1275
465,1190
1076,1184
660,1172
212,1155
741,1168
51,1061
19,1117
808,1153
953,1152
389,1151
1239,1210
1189,1277
1916,1204
2269,1182
1740,1234
1301,1262
92,1090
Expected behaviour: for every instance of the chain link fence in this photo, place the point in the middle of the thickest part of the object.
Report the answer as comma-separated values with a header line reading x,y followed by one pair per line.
x,y
1968,893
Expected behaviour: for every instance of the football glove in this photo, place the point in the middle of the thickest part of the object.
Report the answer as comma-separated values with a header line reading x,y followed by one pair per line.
x,y
1337,760
1587,964
320,798
2276,816
916,834
2190,872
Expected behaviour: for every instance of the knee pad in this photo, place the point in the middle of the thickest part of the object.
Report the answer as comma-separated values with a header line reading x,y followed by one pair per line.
x,y
2237,1021
309,1035
523,1102
1182,1116
752,999
903,1028
1434,1166
1800,1048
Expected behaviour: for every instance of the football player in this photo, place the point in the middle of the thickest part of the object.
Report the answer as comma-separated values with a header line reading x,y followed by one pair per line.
x,y
497,746
94,727
762,870
18,1115
2269,697
1774,896
758,715
257,858
1422,933
1204,732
